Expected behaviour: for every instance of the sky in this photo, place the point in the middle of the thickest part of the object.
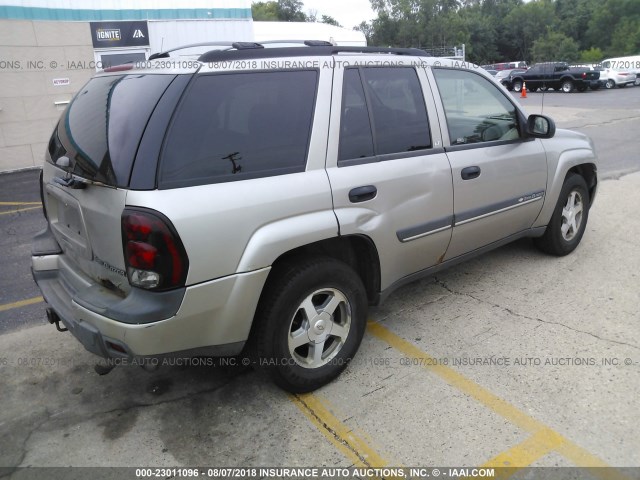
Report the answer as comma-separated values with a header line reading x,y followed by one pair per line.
x,y
348,13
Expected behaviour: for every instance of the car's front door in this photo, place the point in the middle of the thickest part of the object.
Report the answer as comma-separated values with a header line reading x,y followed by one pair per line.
x,y
499,175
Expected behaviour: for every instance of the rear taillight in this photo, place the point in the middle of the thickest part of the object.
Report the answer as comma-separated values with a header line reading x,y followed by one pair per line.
x,y
584,74
153,252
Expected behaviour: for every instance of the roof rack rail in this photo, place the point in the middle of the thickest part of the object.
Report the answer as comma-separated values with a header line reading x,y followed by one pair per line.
x,y
312,50
166,53
257,50
241,46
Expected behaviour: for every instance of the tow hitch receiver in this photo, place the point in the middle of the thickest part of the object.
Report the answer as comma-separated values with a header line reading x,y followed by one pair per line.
x,y
55,319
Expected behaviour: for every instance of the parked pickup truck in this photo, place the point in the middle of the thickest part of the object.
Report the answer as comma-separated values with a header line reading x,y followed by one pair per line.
x,y
557,75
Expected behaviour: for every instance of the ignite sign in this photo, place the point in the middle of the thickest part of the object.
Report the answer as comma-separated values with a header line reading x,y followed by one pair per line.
x,y
119,34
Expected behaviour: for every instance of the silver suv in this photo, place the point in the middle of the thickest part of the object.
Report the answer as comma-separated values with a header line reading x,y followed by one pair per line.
x,y
260,199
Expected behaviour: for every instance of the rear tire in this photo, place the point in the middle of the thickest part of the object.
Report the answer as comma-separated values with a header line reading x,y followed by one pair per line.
x,y
311,319
567,86
569,219
610,84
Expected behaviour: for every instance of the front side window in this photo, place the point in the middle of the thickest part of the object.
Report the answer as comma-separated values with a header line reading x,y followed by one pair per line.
x,y
476,110
239,126
383,112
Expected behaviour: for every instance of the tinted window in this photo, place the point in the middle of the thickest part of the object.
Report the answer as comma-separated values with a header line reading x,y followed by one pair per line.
x,y
476,110
399,113
237,126
356,140
399,116
101,129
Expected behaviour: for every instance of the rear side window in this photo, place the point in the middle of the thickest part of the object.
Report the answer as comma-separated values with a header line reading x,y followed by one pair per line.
x,y
239,126
101,129
383,112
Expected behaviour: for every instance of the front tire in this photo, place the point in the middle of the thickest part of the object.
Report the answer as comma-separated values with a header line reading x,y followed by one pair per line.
x,y
610,84
569,219
311,319
517,86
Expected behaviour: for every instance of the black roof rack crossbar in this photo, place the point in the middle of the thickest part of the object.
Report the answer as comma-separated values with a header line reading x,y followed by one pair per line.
x,y
324,50
246,45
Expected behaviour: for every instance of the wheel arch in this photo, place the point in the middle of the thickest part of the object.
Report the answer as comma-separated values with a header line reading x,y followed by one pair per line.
x,y
577,161
589,172
357,251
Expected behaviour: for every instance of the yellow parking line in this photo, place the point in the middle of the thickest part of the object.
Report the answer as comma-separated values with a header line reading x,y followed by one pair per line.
x,y
21,303
20,210
19,203
577,455
341,436
457,380
525,453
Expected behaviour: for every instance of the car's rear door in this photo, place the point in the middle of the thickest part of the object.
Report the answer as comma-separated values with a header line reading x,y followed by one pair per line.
x,y
389,175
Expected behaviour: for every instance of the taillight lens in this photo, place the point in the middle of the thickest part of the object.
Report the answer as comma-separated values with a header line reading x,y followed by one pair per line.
x,y
584,74
153,252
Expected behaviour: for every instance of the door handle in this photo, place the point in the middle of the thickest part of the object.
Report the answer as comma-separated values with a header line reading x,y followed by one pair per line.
x,y
470,173
362,194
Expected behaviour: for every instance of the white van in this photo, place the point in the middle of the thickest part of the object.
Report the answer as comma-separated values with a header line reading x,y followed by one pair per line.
x,y
629,64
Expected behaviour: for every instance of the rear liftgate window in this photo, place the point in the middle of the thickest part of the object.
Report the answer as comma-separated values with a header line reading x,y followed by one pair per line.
x,y
101,130
239,126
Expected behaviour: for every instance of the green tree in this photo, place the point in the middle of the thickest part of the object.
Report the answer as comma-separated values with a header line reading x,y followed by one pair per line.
x,y
525,23
278,11
265,11
625,39
593,55
291,11
555,46
329,20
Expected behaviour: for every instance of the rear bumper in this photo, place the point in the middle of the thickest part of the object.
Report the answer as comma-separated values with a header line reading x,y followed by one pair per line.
x,y
212,319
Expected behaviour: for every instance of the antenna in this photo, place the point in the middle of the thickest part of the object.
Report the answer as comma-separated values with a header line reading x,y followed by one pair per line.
x,y
544,90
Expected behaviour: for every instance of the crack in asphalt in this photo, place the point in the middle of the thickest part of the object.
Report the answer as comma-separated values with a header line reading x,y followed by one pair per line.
x,y
23,447
126,408
608,122
333,433
536,319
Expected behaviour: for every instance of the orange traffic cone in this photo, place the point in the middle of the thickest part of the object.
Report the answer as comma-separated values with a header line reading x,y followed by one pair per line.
x,y
523,92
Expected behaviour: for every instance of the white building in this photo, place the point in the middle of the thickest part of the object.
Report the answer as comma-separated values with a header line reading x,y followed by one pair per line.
x,y
50,48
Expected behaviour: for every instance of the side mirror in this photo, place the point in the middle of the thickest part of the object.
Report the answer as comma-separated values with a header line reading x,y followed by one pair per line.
x,y
540,126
